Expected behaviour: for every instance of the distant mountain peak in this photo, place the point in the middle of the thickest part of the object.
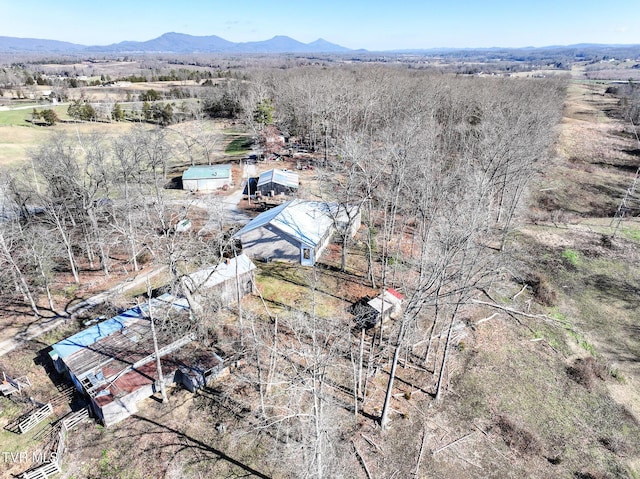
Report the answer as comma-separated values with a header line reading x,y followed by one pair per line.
x,y
321,44
174,42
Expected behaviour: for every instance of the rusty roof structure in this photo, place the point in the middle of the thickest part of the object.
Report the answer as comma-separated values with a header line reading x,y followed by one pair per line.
x,y
117,357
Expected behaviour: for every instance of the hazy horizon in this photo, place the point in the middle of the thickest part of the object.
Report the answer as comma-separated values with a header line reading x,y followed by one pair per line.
x,y
372,25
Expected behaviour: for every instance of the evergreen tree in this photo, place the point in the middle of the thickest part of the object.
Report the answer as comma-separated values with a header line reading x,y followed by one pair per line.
x,y
117,113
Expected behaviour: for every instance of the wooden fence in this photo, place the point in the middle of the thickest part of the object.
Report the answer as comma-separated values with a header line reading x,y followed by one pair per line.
x,y
35,418
43,472
74,418
51,468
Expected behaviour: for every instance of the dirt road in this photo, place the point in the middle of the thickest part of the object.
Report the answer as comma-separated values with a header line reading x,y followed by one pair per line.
x,y
47,324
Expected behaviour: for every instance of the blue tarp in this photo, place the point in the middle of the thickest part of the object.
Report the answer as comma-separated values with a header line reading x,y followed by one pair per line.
x,y
250,187
91,335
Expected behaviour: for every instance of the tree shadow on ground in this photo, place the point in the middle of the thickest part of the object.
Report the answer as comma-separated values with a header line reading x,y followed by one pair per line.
x,y
187,442
609,288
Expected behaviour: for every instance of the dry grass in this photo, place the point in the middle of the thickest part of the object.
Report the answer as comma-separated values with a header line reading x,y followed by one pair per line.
x,y
518,437
597,294
587,372
17,141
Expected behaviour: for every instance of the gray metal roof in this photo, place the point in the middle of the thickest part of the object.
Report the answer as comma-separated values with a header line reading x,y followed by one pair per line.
x,y
305,221
215,275
281,177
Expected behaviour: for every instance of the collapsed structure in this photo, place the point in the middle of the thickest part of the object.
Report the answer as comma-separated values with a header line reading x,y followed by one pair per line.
x,y
114,362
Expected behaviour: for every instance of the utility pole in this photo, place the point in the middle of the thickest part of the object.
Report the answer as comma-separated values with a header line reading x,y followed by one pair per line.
x,y
624,204
238,296
163,392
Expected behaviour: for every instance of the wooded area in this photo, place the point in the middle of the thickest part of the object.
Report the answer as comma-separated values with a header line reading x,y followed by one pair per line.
x,y
438,166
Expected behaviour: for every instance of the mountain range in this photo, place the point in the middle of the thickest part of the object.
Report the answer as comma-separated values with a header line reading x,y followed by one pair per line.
x,y
173,43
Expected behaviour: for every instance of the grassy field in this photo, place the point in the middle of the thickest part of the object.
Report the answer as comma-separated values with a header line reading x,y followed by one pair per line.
x,y
19,117
14,117
18,137
17,141
594,275
239,145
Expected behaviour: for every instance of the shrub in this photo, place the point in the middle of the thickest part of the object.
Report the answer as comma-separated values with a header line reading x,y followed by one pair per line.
x,y
590,475
607,241
70,291
572,257
615,444
144,257
49,116
617,375
585,371
543,292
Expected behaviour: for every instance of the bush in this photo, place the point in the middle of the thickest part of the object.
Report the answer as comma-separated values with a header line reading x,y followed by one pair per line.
x,y
615,444
572,257
144,257
585,371
81,111
49,116
590,475
543,292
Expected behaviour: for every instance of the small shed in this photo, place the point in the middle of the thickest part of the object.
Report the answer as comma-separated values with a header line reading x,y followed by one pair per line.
x,y
275,181
232,279
207,177
201,371
386,305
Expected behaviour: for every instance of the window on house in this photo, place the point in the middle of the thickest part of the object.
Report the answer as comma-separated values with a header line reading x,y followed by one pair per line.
x,y
306,253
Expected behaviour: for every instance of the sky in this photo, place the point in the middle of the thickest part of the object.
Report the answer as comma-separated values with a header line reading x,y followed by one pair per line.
x,y
373,25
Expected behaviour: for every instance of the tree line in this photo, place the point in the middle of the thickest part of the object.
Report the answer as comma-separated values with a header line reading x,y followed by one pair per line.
x,y
437,166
